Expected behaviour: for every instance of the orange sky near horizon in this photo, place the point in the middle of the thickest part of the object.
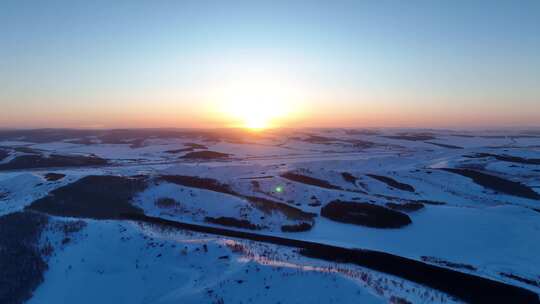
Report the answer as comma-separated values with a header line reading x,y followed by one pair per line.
x,y
259,64
317,114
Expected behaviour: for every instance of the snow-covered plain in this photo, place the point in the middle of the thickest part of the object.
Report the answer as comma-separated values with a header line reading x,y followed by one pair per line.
x,y
493,231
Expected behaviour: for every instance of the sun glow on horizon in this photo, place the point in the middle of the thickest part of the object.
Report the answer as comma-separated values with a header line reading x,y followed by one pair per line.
x,y
256,103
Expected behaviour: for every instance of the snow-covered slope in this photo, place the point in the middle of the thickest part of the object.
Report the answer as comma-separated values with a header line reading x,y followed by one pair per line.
x,y
476,198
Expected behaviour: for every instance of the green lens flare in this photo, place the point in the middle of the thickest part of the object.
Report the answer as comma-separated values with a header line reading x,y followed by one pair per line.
x,y
279,189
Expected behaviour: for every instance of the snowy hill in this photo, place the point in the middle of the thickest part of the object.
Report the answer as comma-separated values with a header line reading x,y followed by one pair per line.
x,y
227,216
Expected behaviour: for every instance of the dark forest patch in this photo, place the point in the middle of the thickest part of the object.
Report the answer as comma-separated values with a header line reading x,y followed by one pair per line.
x,y
317,139
349,178
99,197
206,155
54,160
25,149
133,137
176,151
507,158
429,202
21,261
531,282
43,135
361,144
442,262
308,180
361,132
496,183
392,182
406,207
4,153
464,286
412,136
301,227
444,145
365,214
233,222
268,206
323,140
87,141
195,146
166,202
52,177
258,177
508,136
198,182
468,288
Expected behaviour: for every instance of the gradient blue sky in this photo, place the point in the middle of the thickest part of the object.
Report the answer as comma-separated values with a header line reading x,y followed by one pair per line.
x,y
350,63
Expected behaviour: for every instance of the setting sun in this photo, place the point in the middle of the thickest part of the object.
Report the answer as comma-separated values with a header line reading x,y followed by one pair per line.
x,y
255,112
157,152
256,101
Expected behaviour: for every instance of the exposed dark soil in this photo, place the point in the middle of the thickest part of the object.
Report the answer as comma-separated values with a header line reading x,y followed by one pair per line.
x,y
233,222
198,182
52,177
442,262
39,161
99,197
365,214
308,180
392,182
508,158
466,287
269,206
497,183
206,155
296,228
444,145
406,207
21,261
531,282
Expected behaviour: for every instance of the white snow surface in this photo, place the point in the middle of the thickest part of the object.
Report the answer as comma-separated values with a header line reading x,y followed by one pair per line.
x,y
122,262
